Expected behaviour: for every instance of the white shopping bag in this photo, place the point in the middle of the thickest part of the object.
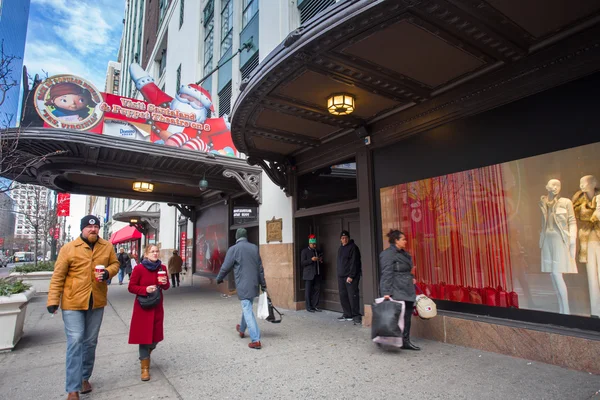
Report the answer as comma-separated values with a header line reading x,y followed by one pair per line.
x,y
262,312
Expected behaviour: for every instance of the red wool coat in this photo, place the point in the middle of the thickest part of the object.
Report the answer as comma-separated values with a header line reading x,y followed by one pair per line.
x,y
146,325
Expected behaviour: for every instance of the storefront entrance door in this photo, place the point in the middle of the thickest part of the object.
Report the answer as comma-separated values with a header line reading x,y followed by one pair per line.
x,y
328,229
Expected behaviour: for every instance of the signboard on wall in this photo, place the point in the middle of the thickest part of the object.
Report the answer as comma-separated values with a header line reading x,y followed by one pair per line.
x,y
243,215
275,230
185,121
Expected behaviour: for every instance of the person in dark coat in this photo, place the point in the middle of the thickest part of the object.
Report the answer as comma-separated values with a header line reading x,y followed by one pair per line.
x,y
311,259
398,280
175,263
124,261
349,271
146,328
244,258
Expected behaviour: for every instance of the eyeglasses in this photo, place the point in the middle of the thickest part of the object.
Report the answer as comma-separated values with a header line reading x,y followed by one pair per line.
x,y
154,251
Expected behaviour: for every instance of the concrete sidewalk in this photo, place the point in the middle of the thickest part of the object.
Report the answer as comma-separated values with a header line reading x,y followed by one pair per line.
x,y
306,356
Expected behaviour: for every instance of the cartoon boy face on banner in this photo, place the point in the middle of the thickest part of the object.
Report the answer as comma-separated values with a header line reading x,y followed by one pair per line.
x,y
66,101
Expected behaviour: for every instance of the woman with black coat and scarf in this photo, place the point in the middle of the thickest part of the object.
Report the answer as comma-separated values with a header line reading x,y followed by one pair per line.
x,y
398,280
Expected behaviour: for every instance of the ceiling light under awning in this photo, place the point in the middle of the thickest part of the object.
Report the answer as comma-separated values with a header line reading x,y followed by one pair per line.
x,y
144,187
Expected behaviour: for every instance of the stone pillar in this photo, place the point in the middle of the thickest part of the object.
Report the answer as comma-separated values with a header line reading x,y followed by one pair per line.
x,y
277,257
364,176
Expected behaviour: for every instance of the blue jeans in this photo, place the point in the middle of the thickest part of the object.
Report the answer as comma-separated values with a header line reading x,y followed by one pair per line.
x,y
248,320
121,274
81,328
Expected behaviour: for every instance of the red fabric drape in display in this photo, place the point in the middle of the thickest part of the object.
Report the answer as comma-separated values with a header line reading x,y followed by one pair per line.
x,y
456,227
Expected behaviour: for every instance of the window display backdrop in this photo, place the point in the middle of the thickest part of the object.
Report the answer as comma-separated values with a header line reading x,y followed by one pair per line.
x,y
519,234
211,239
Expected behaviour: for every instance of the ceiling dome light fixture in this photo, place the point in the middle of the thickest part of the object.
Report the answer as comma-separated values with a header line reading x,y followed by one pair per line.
x,y
341,103
144,187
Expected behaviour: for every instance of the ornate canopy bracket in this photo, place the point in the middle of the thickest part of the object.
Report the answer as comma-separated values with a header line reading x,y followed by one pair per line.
x,y
278,171
250,182
187,211
140,226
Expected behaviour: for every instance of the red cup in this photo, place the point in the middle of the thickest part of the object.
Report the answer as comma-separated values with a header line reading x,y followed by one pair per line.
x,y
99,270
162,277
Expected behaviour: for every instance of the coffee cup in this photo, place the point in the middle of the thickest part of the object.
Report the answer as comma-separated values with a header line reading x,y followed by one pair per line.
x,y
162,277
99,272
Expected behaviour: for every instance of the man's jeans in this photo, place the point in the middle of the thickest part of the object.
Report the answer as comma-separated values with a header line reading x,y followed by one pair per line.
x,y
248,321
121,274
81,328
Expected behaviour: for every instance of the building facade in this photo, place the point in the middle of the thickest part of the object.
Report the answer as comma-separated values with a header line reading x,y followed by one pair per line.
x,y
348,116
7,219
33,219
113,78
14,17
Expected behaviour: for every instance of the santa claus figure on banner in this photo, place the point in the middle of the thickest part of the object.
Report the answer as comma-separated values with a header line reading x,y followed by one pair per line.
x,y
191,99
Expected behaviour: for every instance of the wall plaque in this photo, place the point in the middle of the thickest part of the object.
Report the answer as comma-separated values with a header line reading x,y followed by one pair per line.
x,y
275,230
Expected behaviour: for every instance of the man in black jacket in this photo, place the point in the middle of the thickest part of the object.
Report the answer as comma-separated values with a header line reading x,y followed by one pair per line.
x,y
349,270
311,259
124,261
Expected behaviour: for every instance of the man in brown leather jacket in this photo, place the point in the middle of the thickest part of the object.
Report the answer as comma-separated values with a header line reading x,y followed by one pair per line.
x,y
81,293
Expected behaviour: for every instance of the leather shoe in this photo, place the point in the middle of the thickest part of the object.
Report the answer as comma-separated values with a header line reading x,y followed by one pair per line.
x,y
73,396
237,328
255,345
86,387
317,309
311,310
407,345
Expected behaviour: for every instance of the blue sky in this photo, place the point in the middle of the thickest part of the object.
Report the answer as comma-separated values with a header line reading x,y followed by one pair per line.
x,y
77,37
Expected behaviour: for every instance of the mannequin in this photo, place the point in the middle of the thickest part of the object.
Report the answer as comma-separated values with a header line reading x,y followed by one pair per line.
x,y
586,203
558,239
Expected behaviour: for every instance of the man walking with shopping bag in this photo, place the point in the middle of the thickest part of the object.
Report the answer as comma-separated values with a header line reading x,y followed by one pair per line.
x,y
244,258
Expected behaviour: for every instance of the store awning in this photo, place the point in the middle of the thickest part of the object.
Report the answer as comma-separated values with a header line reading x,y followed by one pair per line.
x,y
88,163
411,66
125,235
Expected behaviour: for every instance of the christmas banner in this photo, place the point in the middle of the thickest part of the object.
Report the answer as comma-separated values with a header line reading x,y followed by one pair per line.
x,y
186,120
182,245
63,204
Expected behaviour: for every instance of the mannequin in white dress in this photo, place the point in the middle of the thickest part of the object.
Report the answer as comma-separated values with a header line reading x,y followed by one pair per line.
x,y
558,239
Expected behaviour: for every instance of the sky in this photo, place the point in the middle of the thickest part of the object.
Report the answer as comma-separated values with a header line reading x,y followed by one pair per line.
x,y
77,37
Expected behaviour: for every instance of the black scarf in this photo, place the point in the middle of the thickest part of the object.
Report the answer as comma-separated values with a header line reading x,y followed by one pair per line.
x,y
151,266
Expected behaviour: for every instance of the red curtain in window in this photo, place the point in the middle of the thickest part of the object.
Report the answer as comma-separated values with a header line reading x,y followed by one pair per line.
x,y
456,227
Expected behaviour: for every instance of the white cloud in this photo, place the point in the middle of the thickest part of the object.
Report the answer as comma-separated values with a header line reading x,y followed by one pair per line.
x,y
73,37
81,25
41,56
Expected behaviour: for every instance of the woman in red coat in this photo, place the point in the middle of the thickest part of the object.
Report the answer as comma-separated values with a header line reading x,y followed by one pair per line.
x,y
146,328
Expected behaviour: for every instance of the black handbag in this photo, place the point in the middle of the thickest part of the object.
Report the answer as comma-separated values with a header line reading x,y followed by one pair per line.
x,y
272,311
149,301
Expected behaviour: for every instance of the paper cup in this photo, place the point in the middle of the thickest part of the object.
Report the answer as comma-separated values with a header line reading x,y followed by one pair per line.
x,y
162,276
99,270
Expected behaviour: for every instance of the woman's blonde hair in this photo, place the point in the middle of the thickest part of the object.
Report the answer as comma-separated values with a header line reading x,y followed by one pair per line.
x,y
148,248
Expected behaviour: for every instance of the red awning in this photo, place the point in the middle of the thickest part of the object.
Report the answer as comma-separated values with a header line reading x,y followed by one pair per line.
x,y
125,234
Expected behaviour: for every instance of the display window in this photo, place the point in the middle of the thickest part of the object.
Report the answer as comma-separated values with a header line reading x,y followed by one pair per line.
x,y
211,247
523,234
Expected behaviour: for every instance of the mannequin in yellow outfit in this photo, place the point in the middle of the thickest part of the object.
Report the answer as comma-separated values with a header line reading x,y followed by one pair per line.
x,y
586,204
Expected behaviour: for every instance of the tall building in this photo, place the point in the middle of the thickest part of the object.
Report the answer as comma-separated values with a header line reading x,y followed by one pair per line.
x,y
131,41
113,78
14,17
7,217
31,206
